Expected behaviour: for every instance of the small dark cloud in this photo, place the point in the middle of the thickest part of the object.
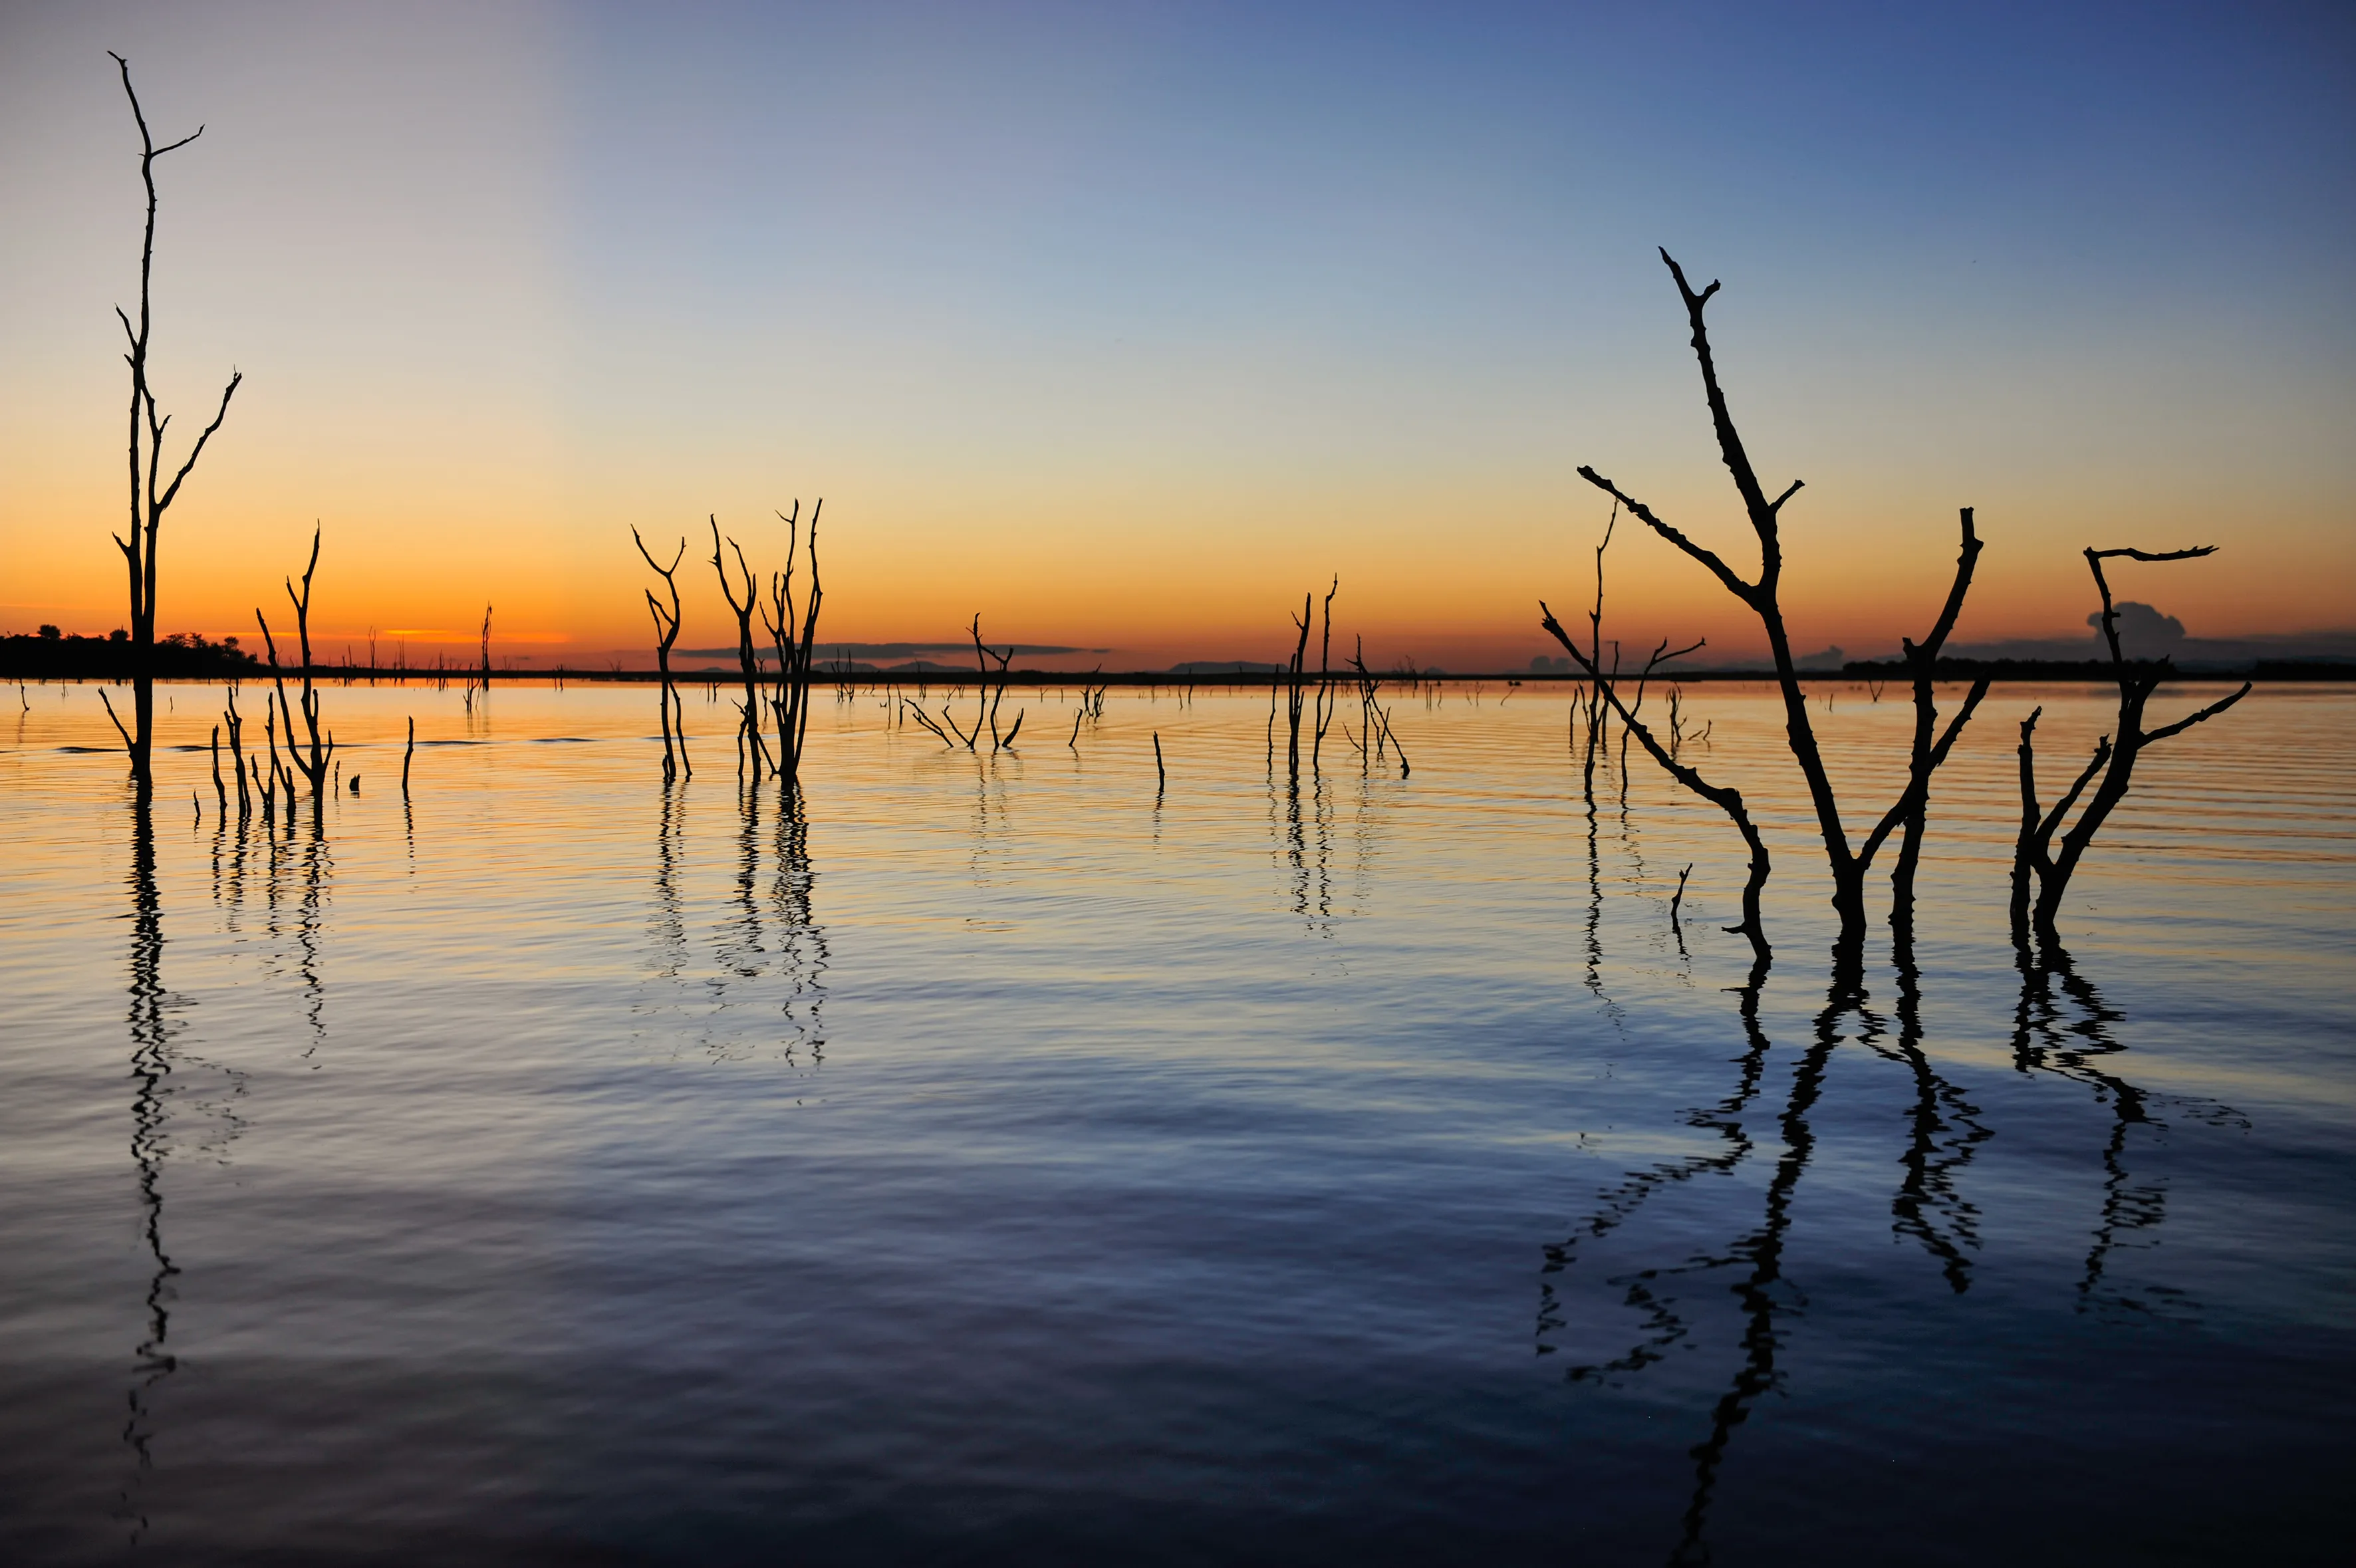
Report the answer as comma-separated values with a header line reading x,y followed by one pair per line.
x,y
2144,632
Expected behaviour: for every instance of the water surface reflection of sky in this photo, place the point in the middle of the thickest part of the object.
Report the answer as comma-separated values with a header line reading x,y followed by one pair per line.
x,y
987,1159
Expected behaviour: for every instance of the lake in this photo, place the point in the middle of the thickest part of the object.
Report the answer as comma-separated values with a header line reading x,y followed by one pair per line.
x,y
988,1160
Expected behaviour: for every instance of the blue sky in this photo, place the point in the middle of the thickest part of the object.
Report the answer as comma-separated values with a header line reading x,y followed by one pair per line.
x,y
1121,319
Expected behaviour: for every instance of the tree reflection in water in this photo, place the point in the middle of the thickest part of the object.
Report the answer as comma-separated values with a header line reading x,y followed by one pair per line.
x,y
159,1067
769,951
2062,1028
151,1066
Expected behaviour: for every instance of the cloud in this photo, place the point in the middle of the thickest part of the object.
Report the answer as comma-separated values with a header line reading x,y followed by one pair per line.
x,y
2144,632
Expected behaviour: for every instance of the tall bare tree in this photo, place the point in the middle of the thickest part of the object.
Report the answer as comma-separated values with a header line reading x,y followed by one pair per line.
x,y
151,497
1849,862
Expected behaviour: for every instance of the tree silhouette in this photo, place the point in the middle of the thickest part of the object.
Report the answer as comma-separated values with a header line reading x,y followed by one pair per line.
x,y
1848,863
2034,856
151,497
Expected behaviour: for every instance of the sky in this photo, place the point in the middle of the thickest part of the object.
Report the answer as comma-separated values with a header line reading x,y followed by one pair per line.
x,y
1125,326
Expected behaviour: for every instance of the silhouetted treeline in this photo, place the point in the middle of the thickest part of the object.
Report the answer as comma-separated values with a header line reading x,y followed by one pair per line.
x,y
48,655
2098,670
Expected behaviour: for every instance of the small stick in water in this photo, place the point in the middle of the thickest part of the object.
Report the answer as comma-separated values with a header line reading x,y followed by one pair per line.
x,y
1678,898
407,755
1160,778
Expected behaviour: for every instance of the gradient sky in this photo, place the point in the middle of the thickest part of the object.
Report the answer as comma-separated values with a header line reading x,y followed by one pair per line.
x,y
1124,324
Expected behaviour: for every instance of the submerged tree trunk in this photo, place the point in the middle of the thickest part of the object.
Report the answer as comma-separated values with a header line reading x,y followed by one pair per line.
x,y
666,619
313,768
2034,856
750,751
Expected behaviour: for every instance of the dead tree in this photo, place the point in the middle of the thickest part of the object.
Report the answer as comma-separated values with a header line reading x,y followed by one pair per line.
x,y
314,767
986,695
926,719
1375,737
150,497
236,723
2113,761
1726,800
749,745
792,629
1323,711
1293,694
480,678
1849,863
1927,753
1594,704
666,619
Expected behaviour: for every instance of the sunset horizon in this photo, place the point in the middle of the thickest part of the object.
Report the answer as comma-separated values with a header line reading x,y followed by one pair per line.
x,y
1186,783
993,330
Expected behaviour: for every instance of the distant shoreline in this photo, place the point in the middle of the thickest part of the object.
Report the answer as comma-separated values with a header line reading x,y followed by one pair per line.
x,y
2004,672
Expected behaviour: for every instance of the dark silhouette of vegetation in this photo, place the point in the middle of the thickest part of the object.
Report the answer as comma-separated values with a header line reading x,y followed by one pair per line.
x,y
1725,798
1929,749
751,750
480,680
1295,691
1593,707
236,723
1318,701
1849,863
793,631
52,655
666,619
1374,738
315,766
987,694
1322,713
2035,857
791,624
151,497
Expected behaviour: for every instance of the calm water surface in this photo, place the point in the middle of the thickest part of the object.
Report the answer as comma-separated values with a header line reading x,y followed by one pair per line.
x,y
988,1161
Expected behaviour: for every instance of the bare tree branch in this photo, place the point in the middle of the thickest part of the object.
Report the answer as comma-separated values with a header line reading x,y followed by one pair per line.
x,y
2203,716
1726,800
1709,558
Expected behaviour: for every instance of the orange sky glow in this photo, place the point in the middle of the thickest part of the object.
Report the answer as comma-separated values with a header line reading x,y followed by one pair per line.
x,y
501,289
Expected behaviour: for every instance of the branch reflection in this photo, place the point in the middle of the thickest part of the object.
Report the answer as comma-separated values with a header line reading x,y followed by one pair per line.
x,y
770,953
2062,1029
1305,844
